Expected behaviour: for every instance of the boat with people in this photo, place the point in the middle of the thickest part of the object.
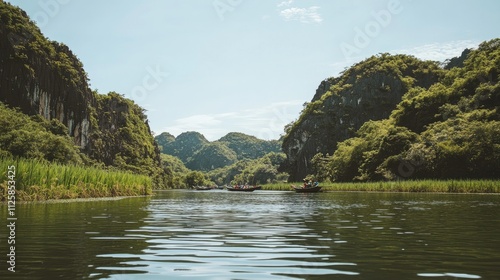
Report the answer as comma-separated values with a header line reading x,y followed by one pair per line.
x,y
308,187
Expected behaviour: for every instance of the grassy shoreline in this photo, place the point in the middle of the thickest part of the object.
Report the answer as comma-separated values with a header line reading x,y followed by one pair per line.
x,y
35,180
435,186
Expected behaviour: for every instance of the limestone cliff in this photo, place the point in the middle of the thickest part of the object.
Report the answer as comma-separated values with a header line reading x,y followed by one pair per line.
x,y
41,76
369,90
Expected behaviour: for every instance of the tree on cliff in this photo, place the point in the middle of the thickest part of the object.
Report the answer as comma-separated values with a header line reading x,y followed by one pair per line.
x,y
46,81
22,136
448,130
369,90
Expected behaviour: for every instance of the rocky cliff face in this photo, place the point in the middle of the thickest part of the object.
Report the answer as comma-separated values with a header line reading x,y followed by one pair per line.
x,y
42,77
369,90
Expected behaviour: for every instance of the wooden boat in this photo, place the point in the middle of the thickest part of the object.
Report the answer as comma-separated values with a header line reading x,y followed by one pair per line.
x,y
301,189
242,189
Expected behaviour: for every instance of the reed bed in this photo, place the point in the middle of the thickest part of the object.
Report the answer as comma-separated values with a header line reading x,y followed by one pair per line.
x,y
38,180
442,186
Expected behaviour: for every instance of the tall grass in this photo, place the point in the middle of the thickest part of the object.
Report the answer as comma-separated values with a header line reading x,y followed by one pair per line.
x,y
38,180
444,186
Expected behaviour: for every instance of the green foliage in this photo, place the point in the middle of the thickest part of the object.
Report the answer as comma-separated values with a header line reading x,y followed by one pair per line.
x,y
415,113
196,178
34,69
20,136
124,140
175,172
40,180
258,171
225,175
198,153
440,186
173,163
185,145
461,148
448,130
211,156
367,91
26,49
375,73
164,140
249,147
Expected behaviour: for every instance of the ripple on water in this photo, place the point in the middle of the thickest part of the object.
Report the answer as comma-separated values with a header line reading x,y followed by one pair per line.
x,y
236,242
278,236
456,275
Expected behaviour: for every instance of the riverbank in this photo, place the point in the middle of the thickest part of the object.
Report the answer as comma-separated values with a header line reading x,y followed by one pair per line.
x,y
436,186
33,180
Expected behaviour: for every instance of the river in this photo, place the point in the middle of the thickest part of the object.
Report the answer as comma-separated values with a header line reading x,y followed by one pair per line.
x,y
217,234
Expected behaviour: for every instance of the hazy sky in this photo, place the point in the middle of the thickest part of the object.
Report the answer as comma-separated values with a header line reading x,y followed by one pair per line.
x,y
217,66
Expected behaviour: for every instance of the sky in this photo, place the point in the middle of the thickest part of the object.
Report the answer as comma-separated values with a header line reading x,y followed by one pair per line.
x,y
220,66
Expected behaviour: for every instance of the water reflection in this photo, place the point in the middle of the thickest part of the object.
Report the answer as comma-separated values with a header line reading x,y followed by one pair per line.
x,y
52,239
268,235
232,236
261,235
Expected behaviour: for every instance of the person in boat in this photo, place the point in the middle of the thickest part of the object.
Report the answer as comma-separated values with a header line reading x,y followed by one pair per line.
x,y
307,184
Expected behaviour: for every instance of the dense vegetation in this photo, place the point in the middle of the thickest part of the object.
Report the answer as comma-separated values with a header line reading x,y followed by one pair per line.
x,y
234,159
40,180
183,147
388,117
249,147
197,153
123,138
439,186
35,137
369,90
42,77
450,130
58,119
254,172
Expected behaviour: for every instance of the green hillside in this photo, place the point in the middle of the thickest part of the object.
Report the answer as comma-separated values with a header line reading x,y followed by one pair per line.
x,y
198,153
446,124
58,119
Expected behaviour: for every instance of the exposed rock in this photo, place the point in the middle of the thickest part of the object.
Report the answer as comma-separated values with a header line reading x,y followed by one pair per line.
x,y
369,90
42,77
45,78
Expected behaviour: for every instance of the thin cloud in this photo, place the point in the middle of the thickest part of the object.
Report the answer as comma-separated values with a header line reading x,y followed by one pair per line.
x,y
265,122
434,51
439,51
285,3
304,15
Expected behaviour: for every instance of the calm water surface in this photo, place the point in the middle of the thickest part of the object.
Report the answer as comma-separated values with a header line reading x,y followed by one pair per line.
x,y
259,235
